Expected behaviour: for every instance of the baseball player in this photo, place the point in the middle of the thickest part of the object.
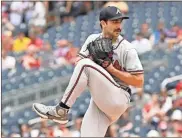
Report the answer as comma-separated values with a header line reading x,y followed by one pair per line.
x,y
107,65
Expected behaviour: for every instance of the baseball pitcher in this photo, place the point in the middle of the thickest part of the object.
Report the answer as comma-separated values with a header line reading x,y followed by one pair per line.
x,y
107,65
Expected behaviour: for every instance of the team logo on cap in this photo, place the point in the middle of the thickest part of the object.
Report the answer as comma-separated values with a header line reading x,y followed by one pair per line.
x,y
118,11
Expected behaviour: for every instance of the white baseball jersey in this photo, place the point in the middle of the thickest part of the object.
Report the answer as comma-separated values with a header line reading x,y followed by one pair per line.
x,y
125,57
110,96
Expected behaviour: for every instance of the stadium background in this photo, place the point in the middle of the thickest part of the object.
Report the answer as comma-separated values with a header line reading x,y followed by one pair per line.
x,y
39,45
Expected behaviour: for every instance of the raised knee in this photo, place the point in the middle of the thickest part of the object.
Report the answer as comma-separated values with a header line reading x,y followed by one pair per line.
x,y
84,61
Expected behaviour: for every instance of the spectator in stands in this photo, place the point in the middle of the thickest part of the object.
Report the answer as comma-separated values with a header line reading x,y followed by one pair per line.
x,y
145,31
76,130
121,5
124,123
65,11
141,44
57,132
176,120
44,130
74,9
179,37
39,14
28,10
6,24
81,8
65,130
163,129
61,52
162,43
110,3
30,60
16,13
14,135
35,41
71,55
21,43
47,57
173,32
4,7
7,40
151,110
52,13
59,8
153,133
166,102
8,62
156,35
140,98
177,101
179,87
176,41
34,132
177,96
50,132
25,130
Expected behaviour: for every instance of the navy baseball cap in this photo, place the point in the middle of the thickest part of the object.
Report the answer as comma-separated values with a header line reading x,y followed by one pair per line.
x,y
111,13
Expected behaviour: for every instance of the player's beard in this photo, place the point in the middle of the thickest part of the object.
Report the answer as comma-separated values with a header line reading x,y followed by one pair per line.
x,y
112,34
115,35
108,35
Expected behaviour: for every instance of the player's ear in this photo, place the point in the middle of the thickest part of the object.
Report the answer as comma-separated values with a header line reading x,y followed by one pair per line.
x,y
103,23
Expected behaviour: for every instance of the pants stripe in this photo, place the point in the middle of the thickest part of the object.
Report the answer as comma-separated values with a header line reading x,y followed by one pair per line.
x,y
71,91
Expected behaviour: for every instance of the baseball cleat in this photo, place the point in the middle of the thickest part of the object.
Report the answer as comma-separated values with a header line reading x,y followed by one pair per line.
x,y
55,113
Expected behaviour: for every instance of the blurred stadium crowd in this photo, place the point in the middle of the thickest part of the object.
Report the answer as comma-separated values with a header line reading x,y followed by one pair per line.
x,y
39,35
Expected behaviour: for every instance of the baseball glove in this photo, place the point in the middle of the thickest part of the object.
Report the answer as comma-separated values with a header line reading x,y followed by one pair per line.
x,y
101,51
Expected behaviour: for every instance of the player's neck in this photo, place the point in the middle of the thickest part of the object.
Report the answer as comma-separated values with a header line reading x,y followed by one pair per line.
x,y
106,35
114,39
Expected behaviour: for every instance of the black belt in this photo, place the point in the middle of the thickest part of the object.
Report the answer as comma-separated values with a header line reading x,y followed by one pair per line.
x,y
127,89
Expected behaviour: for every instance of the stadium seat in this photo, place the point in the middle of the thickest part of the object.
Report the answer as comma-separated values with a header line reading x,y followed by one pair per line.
x,y
5,74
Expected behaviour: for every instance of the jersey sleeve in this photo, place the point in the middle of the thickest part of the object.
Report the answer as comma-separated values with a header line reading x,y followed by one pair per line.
x,y
84,51
132,62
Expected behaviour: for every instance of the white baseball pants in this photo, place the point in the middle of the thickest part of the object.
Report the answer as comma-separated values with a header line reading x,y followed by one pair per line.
x,y
108,100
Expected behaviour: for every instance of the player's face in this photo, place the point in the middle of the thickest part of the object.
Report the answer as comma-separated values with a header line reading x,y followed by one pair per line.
x,y
113,27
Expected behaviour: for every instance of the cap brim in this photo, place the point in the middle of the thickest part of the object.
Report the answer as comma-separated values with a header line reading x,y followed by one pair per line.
x,y
119,17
